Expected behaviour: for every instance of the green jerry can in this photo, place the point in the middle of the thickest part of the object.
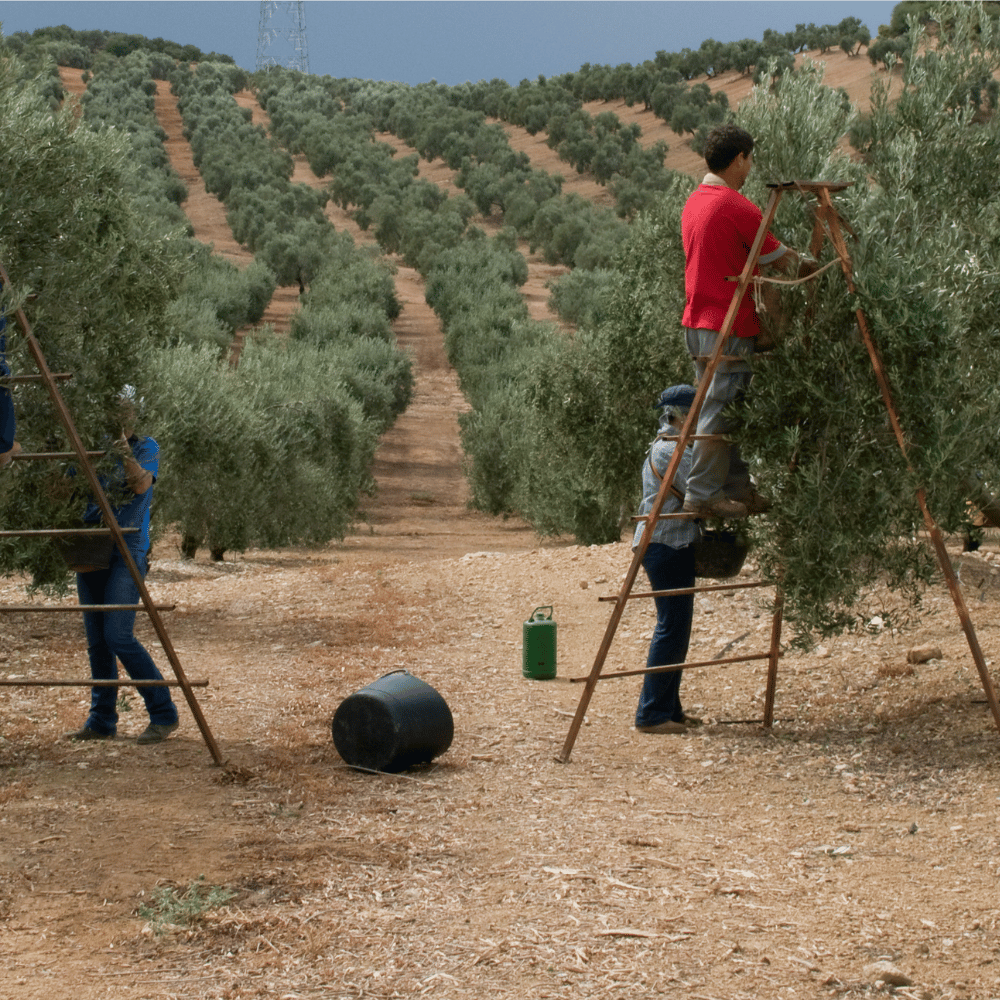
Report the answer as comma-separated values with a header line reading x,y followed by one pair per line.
x,y
538,660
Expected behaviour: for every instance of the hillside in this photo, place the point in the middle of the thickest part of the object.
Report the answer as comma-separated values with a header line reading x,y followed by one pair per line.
x,y
727,863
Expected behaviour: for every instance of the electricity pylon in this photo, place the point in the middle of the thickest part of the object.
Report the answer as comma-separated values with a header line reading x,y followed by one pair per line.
x,y
281,38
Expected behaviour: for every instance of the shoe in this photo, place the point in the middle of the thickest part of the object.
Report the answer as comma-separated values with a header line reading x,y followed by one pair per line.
x,y
156,733
663,727
722,507
755,503
8,456
86,733
692,721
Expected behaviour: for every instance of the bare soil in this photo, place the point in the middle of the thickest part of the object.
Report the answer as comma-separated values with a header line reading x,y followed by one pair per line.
x,y
731,862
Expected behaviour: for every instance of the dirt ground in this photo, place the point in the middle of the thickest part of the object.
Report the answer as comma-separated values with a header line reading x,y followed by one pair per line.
x,y
731,862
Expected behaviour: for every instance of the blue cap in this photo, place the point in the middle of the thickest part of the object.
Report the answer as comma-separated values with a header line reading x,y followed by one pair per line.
x,y
677,395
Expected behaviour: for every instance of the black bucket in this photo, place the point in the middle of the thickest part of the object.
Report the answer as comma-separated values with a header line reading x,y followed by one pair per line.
x,y
719,554
392,724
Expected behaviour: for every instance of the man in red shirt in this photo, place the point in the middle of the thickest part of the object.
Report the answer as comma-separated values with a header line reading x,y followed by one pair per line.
x,y
718,226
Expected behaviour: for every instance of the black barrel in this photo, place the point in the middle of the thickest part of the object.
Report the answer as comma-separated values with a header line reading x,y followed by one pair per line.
x,y
392,724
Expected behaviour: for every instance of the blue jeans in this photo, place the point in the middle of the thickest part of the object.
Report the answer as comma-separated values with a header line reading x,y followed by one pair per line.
x,y
667,569
717,470
109,637
8,423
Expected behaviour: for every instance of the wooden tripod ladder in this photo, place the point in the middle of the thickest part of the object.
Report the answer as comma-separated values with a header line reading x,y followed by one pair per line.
x,y
111,526
827,224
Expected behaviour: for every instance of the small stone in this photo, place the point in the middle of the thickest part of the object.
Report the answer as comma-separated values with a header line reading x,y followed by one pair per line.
x,y
584,584
887,973
822,652
921,654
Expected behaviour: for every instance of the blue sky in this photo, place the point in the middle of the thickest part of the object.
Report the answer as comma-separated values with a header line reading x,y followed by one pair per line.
x,y
450,42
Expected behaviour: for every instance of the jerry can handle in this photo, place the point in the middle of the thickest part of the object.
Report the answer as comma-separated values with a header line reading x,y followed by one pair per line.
x,y
535,616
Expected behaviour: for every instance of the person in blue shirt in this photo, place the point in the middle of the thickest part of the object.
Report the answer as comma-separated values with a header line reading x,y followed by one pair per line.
x,y
8,424
110,636
669,564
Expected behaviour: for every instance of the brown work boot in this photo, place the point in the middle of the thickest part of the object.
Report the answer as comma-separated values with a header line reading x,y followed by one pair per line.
x,y
663,727
727,509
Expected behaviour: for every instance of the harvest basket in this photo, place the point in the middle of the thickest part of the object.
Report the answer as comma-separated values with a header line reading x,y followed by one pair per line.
x,y
719,554
90,551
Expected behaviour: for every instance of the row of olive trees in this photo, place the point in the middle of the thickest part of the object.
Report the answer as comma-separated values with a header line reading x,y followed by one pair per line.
x,y
358,381
217,298
428,118
667,85
558,425
472,281
926,261
66,46
412,216
473,286
275,452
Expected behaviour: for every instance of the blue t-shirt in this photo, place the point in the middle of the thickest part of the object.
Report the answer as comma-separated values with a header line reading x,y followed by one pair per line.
x,y
8,424
134,513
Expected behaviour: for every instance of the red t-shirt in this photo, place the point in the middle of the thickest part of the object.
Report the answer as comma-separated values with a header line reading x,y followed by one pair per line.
x,y
718,226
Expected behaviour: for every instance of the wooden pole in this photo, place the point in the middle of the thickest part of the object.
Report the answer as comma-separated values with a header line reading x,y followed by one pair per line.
x,y
937,540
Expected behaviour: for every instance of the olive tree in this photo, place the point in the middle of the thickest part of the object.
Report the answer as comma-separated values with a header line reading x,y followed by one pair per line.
x,y
94,280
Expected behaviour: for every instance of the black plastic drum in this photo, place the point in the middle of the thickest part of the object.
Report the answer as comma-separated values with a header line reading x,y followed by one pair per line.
x,y
392,724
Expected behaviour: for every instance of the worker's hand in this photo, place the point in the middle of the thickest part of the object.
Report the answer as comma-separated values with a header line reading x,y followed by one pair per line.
x,y
121,446
807,267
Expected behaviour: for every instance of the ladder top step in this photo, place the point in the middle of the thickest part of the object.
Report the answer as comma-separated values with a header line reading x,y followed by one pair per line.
x,y
34,456
812,185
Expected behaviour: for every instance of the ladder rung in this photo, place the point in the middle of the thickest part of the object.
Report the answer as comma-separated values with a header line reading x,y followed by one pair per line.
x,y
61,532
696,437
812,185
121,682
672,667
690,590
59,376
689,515
84,607
36,456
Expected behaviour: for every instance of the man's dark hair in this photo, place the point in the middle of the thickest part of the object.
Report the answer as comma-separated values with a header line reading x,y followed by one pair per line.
x,y
724,143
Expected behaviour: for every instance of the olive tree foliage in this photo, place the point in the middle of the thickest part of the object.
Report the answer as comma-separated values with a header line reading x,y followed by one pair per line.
x,y
594,396
927,273
275,452
94,280
217,299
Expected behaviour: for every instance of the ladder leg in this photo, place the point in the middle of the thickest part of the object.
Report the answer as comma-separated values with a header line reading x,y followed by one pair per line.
x,y
772,659
937,540
961,608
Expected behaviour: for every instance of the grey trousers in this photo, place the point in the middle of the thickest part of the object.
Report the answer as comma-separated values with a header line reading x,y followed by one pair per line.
x,y
717,470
